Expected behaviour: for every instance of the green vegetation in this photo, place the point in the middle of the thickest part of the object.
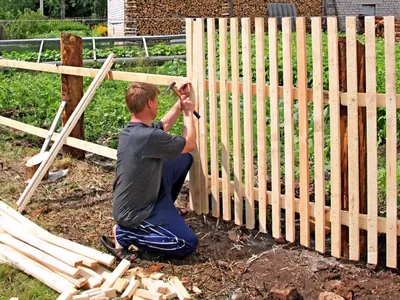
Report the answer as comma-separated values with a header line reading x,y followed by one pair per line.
x,y
36,99
14,283
123,51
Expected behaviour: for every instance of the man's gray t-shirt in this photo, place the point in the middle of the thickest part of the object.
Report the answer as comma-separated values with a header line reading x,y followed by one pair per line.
x,y
140,153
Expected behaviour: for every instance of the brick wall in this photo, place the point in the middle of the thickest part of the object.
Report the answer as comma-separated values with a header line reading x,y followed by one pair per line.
x,y
352,8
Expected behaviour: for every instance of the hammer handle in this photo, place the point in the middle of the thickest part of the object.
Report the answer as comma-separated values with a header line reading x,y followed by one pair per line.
x,y
180,95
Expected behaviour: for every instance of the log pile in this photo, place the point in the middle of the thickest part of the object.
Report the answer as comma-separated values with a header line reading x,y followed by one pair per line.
x,y
165,17
75,271
380,27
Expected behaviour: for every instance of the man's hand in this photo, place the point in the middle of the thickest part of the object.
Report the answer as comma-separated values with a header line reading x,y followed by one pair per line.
x,y
187,106
185,89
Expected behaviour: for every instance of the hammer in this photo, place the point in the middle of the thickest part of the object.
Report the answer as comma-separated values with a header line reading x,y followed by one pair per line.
x,y
176,91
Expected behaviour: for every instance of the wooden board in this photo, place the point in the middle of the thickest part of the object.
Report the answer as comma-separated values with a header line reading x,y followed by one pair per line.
x,y
29,266
38,231
122,267
344,214
334,102
275,131
303,131
354,206
261,124
391,145
289,128
131,289
201,73
73,142
372,155
38,255
318,135
237,132
248,123
14,229
224,109
212,78
34,182
194,191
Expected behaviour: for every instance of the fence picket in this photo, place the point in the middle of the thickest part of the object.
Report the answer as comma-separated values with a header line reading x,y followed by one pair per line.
x,y
318,135
275,132
212,78
354,194
237,132
372,155
224,107
391,145
303,132
261,125
192,42
203,120
334,103
289,128
248,123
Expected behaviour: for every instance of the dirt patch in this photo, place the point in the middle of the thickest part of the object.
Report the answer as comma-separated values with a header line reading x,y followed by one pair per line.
x,y
231,262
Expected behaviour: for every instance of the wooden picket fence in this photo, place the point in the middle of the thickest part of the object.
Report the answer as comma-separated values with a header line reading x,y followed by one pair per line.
x,y
231,139
233,107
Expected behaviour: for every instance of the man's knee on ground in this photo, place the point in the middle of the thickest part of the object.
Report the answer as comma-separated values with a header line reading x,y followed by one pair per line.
x,y
188,158
191,243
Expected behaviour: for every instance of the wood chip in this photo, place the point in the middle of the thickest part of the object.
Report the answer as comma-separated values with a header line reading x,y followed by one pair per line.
x,y
148,295
196,290
180,290
131,289
157,276
121,284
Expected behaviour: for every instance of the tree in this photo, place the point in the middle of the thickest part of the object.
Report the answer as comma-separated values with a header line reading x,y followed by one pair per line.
x,y
10,8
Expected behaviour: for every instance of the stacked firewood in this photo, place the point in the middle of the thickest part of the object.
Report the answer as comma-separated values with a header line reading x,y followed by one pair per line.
x,y
76,271
151,17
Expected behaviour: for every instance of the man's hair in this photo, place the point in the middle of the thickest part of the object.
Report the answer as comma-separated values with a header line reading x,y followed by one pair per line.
x,y
137,95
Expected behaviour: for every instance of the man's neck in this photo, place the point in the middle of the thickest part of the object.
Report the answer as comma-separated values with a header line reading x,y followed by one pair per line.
x,y
140,119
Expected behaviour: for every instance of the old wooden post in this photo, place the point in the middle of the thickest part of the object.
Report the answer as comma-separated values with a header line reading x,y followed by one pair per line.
x,y
72,88
361,82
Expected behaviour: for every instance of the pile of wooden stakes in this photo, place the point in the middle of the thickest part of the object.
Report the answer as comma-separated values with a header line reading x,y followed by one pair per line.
x,y
68,267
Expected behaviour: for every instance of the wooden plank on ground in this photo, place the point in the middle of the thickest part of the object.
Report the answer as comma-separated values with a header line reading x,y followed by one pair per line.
x,y
224,117
318,135
70,141
372,147
38,231
195,190
14,229
38,255
122,267
56,147
391,144
203,120
303,132
334,102
248,123
289,128
261,124
131,289
275,129
352,88
29,266
180,289
237,135
212,78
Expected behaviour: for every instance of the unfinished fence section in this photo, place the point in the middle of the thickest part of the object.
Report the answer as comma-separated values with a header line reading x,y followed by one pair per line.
x,y
287,141
276,120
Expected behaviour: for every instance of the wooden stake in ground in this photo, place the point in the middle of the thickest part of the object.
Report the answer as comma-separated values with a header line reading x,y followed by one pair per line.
x,y
33,184
72,88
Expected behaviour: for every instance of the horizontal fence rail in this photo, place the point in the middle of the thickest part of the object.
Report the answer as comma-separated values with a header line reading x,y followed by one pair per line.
x,y
292,156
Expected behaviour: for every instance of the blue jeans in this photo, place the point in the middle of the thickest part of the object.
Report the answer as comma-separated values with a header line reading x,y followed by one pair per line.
x,y
164,231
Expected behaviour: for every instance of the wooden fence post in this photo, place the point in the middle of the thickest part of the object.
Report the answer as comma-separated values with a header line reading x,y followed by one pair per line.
x,y
72,88
362,126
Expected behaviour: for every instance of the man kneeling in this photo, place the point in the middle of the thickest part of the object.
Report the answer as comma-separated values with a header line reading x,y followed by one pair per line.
x,y
151,168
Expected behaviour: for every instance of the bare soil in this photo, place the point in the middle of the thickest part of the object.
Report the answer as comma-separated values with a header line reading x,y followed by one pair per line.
x,y
231,262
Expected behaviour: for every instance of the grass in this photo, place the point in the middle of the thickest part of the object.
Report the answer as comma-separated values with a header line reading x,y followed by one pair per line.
x,y
14,283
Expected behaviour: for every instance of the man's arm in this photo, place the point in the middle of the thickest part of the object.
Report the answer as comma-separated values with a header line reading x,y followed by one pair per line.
x,y
189,132
171,116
